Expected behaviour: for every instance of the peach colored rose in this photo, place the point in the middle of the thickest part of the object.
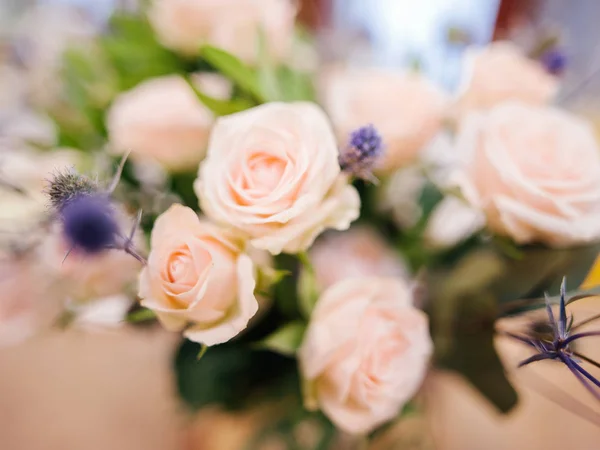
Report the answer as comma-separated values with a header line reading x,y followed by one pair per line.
x,y
365,352
404,107
272,174
185,25
197,278
534,171
161,119
360,251
501,72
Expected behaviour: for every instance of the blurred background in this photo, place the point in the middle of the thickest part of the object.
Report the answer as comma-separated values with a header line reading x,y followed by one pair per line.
x,y
115,390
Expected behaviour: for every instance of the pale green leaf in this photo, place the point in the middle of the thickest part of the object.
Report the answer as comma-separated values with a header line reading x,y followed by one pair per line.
x,y
141,315
286,339
234,69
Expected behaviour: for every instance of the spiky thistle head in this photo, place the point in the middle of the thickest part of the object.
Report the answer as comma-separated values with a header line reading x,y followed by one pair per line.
x,y
557,341
89,223
67,185
362,152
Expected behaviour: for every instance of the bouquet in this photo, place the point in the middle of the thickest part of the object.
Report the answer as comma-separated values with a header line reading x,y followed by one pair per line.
x,y
320,235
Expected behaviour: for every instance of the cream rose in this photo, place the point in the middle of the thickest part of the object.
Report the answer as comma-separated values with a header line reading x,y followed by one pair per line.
x,y
360,251
501,72
197,278
234,25
365,352
404,107
161,119
272,174
534,171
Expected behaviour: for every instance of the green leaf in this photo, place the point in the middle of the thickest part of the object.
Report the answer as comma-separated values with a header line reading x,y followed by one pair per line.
x,y
286,291
267,277
231,375
140,315
295,86
541,270
135,53
285,340
234,69
267,73
203,349
222,107
308,292
474,356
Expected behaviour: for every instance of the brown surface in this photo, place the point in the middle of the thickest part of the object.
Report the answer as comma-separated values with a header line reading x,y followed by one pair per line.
x,y
462,420
114,391
83,391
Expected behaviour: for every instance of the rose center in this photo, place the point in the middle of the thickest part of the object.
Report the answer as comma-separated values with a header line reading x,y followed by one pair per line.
x,y
180,268
264,173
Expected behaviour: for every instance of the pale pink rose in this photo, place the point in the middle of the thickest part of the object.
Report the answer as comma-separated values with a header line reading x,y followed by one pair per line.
x,y
358,252
233,25
30,301
365,352
272,174
161,119
501,72
534,172
404,107
197,278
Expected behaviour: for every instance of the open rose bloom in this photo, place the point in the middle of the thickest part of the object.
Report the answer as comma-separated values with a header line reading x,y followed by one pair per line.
x,y
365,352
534,172
406,108
233,25
272,175
502,72
360,251
197,278
161,120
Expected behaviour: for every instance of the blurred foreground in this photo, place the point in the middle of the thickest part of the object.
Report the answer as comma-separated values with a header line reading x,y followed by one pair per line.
x,y
88,391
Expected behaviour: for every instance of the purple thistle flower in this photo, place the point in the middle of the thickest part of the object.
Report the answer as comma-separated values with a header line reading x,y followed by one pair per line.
x,y
558,345
554,61
89,223
364,149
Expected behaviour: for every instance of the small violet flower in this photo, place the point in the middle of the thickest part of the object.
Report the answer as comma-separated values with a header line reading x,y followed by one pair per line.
x,y
89,223
361,154
554,61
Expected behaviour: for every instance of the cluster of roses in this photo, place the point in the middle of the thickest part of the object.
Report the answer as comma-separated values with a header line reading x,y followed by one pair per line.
x,y
271,181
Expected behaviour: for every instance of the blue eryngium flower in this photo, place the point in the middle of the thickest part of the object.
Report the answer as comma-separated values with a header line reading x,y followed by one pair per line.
x,y
89,223
554,61
364,149
559,346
